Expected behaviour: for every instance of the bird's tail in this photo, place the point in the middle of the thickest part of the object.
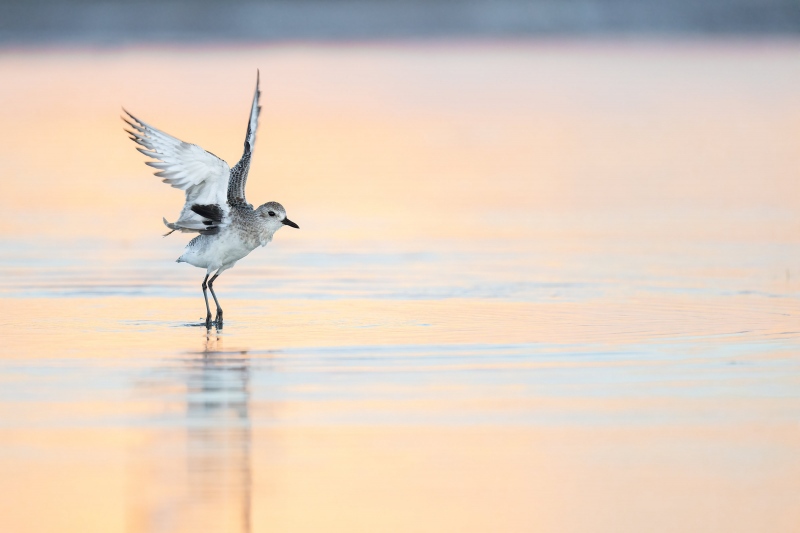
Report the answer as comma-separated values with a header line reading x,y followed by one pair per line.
x,y
171,226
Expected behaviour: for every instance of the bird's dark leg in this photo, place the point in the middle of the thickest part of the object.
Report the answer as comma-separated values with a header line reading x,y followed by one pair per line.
x,y
218,319
205,296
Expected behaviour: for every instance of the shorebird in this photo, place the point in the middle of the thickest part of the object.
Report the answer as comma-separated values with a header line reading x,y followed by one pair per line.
x,y
216,206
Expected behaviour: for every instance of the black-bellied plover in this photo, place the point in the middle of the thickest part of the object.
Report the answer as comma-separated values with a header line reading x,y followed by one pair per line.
x,y
215,206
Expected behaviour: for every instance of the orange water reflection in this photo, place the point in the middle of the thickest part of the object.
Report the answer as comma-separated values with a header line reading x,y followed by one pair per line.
x,y
189,448
539,287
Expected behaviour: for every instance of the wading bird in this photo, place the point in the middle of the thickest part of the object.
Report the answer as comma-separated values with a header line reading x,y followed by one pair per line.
x,y
216,206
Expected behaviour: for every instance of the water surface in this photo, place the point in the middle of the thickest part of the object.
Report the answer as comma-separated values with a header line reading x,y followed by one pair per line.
x,y
539,286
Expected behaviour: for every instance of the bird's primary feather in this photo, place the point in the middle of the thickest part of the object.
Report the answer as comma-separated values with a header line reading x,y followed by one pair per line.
x,y
207,179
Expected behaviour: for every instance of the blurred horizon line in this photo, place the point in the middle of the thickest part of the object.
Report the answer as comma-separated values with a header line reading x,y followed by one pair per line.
x,y
104,23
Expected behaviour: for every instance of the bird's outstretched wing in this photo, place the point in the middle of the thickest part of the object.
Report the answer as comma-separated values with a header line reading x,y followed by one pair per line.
x,y
185,166
238,177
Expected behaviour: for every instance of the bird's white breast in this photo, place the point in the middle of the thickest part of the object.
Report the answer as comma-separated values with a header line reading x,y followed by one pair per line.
x,y
215,251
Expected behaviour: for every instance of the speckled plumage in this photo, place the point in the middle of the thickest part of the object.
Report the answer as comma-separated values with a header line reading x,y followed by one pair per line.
x,y
216,206
246,231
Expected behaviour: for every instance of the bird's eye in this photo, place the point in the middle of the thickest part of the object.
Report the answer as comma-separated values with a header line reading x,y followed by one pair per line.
x,y
272,213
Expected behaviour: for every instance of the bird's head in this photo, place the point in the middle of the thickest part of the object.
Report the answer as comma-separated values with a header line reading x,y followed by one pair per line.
x,y
273,215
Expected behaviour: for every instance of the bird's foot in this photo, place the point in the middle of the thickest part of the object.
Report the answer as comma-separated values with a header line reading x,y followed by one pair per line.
x,y
208,321
218,320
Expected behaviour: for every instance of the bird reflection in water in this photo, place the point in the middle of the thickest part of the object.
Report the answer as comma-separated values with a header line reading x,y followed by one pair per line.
x,y
212,493
218,437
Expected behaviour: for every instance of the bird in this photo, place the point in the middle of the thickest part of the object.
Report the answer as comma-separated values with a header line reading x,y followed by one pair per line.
x,y
228,227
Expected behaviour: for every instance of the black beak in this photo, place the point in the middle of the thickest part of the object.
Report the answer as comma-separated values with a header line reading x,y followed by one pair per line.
x,y
288,222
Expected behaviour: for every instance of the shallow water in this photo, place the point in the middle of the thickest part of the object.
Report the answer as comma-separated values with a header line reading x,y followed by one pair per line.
x,y
538,287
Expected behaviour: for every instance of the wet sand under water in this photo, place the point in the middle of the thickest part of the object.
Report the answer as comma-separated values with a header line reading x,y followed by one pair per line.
x,y
538,287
